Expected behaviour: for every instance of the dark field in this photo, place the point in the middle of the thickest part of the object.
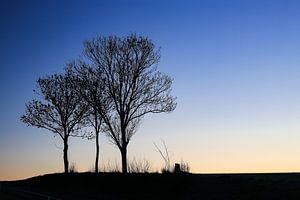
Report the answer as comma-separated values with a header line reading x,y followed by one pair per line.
x,y
79,186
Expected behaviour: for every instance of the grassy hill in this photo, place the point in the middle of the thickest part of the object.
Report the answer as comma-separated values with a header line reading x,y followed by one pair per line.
x,y
79,186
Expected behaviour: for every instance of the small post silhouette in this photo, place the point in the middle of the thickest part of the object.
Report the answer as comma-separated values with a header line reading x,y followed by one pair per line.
x,y
177,168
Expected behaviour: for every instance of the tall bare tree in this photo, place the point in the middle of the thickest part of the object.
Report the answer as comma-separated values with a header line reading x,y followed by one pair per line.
x,y
60,111
132,82
91,89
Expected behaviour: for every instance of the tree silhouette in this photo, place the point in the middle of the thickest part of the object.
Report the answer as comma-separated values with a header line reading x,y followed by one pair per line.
x,y
61,110
92,91
129,69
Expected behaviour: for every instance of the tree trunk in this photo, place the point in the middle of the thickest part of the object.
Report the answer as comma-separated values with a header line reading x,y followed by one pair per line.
x,y
124,159
66,161
97,153
124,143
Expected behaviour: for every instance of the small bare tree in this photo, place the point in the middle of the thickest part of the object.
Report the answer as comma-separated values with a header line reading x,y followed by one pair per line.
x,y
61,110
135,87
165,156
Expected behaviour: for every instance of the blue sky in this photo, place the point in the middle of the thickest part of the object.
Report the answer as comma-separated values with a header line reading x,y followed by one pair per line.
x,y
236,74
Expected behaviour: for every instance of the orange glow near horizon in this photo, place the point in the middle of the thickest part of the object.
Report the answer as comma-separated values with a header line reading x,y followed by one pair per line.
x,y
212,156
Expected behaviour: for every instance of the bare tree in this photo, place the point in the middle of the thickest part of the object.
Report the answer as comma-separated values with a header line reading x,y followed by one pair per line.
x,y
91,89
61,110
135,87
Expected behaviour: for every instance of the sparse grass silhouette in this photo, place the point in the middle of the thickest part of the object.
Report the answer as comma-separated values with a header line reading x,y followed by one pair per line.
x,y
185,166
139,166
110,167
73,168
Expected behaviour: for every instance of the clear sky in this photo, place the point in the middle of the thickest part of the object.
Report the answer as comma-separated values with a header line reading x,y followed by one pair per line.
x,y
236,74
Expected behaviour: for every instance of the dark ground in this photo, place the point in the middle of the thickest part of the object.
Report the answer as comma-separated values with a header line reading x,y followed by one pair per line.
x,y
79,186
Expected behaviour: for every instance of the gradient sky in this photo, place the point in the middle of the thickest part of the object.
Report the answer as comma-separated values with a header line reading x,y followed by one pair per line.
x,y
236,74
